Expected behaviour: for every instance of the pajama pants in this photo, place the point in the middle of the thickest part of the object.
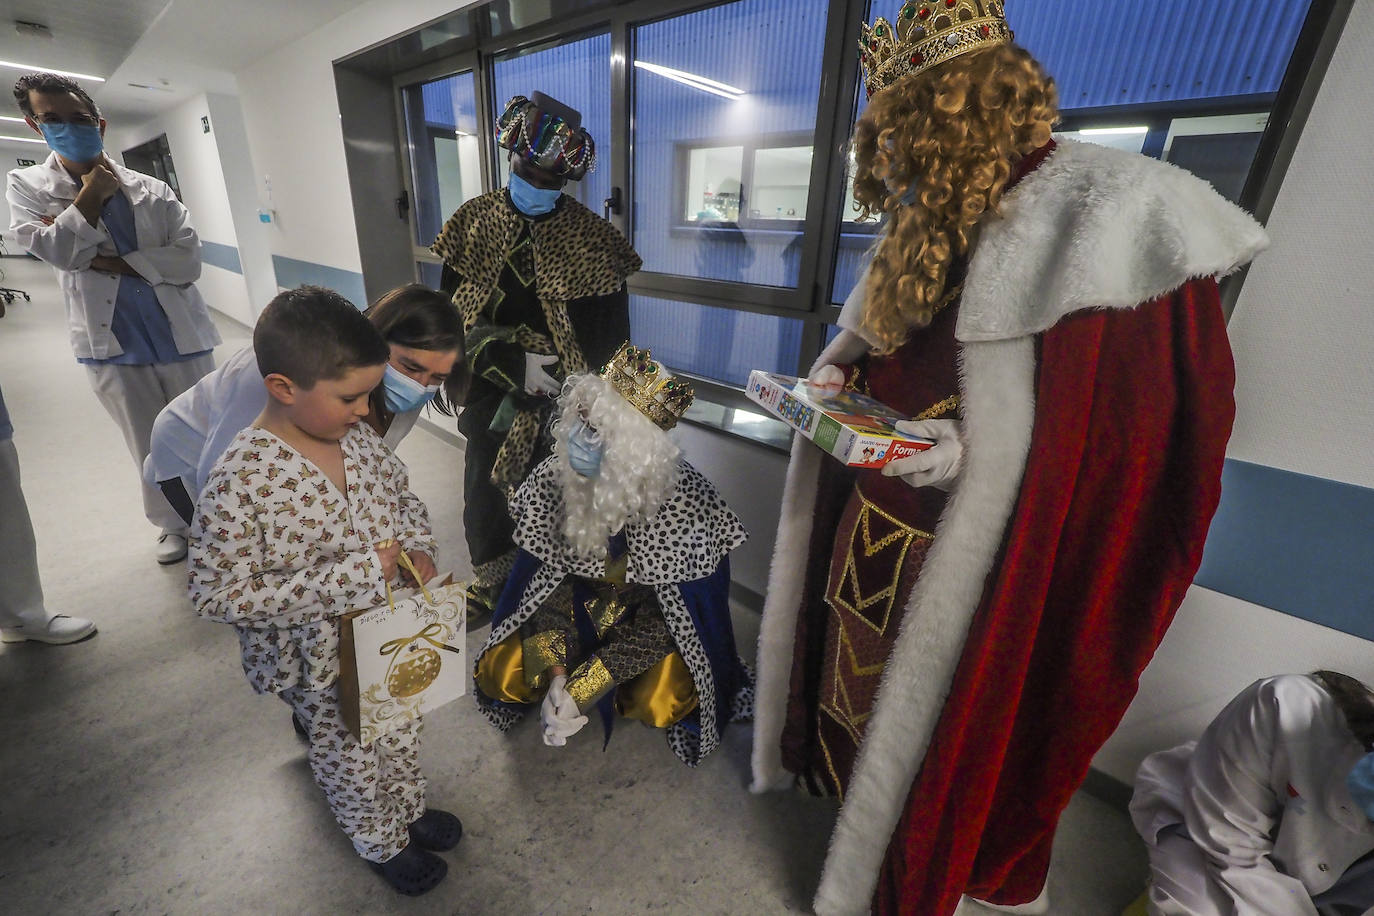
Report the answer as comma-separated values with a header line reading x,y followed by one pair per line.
x,y
375,792
21,594
133,396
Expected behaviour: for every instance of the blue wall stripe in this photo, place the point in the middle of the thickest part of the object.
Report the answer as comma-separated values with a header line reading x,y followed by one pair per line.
x,y
225,256
292,273
1298,544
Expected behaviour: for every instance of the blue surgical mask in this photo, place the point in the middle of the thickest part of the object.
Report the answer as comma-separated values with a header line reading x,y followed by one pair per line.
x,y
74,142
584,449
1361,784
402,393
530,200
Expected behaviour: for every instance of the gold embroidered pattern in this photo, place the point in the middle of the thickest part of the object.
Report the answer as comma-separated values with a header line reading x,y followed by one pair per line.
x,y
939,409
589,682
542,651
948,298
605,610
899,538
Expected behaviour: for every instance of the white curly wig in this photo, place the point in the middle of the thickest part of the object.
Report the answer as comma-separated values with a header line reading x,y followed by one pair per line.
x,y
639,465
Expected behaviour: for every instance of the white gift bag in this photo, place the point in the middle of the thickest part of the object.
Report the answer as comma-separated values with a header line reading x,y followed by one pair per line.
x,y
402,660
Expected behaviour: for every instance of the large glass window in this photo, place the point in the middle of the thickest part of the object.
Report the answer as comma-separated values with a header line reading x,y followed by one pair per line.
x,y
445,152
715,343
578,74
737,115
724,115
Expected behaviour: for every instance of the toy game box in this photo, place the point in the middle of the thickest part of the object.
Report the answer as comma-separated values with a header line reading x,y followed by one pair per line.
x,y
855,428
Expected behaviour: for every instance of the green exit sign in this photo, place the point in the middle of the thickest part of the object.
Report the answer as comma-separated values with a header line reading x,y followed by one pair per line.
x,y
24,162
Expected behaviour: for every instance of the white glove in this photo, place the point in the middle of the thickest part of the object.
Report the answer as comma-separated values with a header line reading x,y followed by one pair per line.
x,y
937,466
559,714
827,377
537,381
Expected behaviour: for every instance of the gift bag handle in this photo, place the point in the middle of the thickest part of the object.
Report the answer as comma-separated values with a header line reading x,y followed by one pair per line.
x,y
409,566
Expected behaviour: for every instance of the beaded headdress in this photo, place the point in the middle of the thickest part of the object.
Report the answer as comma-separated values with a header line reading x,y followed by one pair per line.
x,y
645,383
928,33
547,133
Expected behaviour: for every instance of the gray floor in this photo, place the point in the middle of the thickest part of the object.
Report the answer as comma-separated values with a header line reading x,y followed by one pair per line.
x,y
140,774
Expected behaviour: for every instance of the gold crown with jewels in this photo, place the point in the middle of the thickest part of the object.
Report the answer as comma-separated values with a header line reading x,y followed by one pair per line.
x,y
928,33
645,383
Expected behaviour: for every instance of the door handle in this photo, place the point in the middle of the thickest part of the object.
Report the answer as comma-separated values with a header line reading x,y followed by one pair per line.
x,y
611,204
403,205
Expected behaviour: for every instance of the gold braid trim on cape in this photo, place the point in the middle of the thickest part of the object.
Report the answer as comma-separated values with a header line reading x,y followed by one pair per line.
x,y
577,254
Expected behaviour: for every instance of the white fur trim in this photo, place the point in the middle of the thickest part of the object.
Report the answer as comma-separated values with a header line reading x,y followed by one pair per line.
x,y
1095,227
998,381
777,630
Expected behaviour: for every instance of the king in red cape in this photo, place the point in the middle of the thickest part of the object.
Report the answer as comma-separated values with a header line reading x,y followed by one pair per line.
x,y
947,642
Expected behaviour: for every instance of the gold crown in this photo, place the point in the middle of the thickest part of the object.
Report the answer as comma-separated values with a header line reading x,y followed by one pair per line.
x,y
928,33
644,382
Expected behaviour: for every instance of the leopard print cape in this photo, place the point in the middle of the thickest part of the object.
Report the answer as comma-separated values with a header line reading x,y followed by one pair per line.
x,y
576,254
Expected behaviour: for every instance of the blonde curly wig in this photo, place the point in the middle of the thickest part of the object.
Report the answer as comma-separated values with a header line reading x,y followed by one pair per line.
x,y
946,140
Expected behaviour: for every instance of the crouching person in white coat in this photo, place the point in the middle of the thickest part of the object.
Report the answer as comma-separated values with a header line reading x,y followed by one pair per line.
x,y
1271,811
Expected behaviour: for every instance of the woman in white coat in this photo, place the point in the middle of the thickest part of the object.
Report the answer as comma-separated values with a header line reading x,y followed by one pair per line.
x,y
427,365
1271,811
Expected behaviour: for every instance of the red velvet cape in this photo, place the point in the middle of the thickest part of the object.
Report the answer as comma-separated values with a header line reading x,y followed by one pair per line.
x,y
1133,411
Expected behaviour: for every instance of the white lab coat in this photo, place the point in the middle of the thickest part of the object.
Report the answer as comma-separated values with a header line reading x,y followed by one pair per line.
x,y
192,431
168,254
1254,818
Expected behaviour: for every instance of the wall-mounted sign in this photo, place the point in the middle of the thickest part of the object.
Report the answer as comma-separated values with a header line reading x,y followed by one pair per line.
x,y
24,162
205,124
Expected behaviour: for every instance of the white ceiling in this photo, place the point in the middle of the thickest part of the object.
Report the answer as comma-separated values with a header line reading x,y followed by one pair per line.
x,y
181,48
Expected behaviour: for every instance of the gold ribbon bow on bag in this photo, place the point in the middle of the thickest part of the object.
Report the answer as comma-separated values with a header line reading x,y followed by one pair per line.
x,y
413,667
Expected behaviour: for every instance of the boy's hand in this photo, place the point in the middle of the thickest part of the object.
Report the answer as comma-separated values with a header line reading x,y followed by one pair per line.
x,y
389,553
424,565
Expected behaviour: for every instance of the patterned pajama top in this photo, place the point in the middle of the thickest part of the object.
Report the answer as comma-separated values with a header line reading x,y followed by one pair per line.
x,y
279,552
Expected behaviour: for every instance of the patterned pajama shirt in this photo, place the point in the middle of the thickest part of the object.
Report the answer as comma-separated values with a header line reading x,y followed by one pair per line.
x,y
279,552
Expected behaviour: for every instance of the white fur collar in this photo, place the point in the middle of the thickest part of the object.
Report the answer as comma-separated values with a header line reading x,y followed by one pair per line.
x,y
1095,227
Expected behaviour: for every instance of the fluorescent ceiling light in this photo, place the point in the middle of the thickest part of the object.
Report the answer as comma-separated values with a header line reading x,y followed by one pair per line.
x,y
724,90
4,138
34,69
1113,131
8,118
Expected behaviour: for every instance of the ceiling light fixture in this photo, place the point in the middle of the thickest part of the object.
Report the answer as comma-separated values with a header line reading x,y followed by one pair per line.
x,y
1113,131
724,90
8,118
5,139
33,69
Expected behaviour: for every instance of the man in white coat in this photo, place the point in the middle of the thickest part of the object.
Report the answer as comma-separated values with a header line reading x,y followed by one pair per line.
x,y
1270,811
126,258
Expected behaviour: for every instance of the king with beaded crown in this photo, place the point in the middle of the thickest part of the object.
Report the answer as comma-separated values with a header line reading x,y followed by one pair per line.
x,y
928,33
645,383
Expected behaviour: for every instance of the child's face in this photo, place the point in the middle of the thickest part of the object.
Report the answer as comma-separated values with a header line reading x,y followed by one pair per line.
x,y
334,406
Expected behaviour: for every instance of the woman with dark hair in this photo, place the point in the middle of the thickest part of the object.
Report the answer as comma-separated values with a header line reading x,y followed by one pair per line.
x,y
427,365
1271,810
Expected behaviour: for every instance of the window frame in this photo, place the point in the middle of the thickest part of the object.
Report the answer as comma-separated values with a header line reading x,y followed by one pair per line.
x,y
827,228
467,61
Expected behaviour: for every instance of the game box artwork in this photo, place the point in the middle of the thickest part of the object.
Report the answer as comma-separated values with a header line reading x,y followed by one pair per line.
x,y
855,428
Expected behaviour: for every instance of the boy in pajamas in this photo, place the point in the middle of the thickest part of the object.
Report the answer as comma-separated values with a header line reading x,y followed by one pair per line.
x,y
304,519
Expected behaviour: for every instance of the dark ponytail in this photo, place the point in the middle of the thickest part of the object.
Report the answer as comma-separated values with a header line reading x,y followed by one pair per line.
x,y
1355,701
